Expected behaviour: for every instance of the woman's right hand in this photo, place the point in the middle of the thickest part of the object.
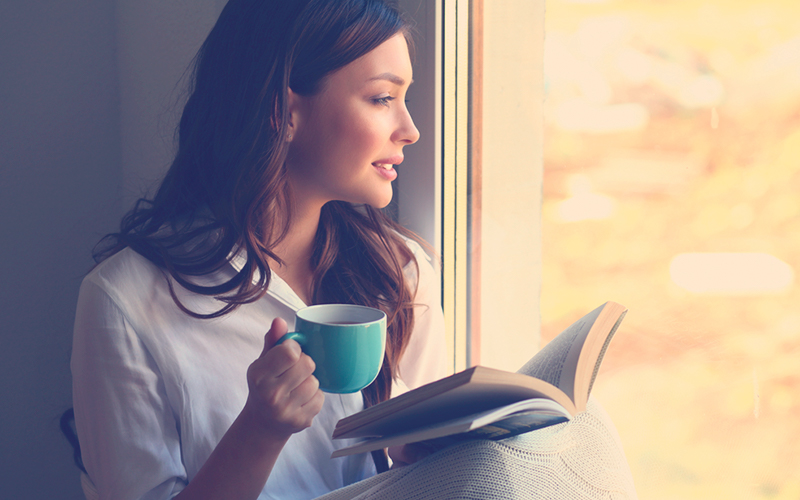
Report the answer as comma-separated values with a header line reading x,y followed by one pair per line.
x,y
284,395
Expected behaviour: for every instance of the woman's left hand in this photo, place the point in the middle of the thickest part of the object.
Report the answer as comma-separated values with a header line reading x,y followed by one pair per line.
x,y
408,454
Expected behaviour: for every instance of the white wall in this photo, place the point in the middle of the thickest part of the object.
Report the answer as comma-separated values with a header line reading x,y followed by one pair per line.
x,y
157,41
59,179
87,114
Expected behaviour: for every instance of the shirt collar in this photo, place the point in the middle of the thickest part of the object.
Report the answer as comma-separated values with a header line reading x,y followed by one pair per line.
x,y
278,288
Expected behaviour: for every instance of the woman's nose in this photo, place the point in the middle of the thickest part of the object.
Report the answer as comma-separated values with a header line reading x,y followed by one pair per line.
x,y
407,132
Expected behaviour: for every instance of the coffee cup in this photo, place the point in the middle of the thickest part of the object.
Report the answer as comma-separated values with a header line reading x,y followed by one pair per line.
x,y
346,342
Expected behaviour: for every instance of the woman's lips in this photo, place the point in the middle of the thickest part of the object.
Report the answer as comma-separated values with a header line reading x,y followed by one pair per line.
x,y
385,170
385,166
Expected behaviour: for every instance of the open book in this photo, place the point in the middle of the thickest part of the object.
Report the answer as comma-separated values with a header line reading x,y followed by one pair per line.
x,y
485,403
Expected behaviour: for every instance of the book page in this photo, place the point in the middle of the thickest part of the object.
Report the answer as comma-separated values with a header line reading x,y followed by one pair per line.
x,y
594,350
556,362
602,354
517,423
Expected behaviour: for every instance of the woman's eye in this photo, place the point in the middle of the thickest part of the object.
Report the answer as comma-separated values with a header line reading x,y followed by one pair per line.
x,y
383,101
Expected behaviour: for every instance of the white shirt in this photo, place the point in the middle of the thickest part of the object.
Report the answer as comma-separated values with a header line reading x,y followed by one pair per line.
x,y
155,389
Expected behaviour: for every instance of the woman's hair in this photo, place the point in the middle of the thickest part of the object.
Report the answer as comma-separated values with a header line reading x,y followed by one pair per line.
x,y
229,178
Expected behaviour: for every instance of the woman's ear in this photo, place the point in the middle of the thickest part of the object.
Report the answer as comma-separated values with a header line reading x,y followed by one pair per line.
x,y
294,111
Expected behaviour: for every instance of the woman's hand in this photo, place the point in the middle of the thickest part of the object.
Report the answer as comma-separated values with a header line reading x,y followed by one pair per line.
x,y
284,396
407,454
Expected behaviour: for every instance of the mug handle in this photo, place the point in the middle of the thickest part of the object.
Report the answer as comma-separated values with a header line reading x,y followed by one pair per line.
x,y
296,336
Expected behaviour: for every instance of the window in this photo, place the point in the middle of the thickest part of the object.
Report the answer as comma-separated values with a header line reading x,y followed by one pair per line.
x,y
642,152
672,163
475,189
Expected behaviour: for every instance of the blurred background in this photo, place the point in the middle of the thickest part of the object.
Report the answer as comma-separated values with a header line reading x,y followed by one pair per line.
x,y
672,185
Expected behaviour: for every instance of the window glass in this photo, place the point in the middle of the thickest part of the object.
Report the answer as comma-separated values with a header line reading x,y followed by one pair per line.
x,y
505,193
672,185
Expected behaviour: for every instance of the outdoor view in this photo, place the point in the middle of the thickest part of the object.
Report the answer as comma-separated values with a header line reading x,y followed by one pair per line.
x,y
672,185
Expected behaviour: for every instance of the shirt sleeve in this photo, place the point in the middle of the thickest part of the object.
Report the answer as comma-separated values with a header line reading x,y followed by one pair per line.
x,y
129,437
425,357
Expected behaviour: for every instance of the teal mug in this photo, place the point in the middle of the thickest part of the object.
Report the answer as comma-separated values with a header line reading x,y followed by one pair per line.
x,y
346,342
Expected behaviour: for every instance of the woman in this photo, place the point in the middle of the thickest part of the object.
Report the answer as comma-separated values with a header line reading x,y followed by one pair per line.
x,y
287,147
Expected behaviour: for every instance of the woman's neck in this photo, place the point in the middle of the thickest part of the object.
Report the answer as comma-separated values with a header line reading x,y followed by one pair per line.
x,y
296,249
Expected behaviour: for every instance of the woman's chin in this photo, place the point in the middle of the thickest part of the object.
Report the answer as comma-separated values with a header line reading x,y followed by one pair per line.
x,y
382,200
377,200
384,204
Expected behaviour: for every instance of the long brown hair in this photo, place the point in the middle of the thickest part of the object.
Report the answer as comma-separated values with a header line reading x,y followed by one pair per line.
x,y
228,177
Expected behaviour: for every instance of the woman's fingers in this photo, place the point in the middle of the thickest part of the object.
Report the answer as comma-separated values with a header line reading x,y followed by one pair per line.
x,y
310,395
283,368
410,453
277,329
274,362
285,361
301,370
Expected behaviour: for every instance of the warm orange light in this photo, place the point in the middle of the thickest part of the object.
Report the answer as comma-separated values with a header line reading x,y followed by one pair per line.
x,y
731,273
584,203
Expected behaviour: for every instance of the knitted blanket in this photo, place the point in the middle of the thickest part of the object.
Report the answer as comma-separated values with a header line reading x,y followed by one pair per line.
x,y
579,459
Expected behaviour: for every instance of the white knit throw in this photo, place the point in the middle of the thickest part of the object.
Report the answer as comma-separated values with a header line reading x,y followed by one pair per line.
x,y
579,459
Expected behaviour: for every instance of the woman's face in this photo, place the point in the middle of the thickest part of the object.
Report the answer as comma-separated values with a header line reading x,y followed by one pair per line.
x,y
348,136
